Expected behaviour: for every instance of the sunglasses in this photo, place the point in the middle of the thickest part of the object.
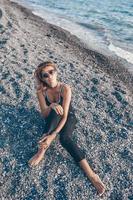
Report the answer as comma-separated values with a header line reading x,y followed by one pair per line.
x,y
47,74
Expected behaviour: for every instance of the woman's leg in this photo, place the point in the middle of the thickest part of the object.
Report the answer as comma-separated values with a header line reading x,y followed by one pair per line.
x,y
77,153
66,139
93,177
51,123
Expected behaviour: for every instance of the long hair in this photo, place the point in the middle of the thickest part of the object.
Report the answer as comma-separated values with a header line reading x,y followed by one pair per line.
x,y
42,66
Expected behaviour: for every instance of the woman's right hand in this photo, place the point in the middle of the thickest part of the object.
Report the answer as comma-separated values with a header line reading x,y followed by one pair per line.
x,y
57,107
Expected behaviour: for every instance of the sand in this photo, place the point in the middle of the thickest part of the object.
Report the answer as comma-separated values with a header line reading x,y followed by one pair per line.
x,y
102,99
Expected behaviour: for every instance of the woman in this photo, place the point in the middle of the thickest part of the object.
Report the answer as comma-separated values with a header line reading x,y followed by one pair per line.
x,y
55,104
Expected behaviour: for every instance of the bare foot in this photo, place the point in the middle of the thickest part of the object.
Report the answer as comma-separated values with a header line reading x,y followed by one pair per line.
x,y
96,181
37,157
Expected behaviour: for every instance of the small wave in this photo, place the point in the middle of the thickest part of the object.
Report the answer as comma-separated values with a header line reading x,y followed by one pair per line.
x,y
122,11
129,39
73,27
122,53
91,26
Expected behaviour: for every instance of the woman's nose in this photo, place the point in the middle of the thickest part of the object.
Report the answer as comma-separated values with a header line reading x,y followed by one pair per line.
x,y
50,77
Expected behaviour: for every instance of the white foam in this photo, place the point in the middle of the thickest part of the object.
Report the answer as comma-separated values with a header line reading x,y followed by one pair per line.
x,y
68,25
54,18
88,37
122,53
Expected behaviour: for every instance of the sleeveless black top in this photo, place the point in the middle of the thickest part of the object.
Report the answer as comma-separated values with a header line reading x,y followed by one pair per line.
x,y
60,101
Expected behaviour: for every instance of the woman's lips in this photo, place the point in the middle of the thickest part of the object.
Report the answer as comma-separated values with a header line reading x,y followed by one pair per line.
x,y
51,80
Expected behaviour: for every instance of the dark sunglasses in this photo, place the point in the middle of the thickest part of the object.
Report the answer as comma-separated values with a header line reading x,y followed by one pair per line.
x,y
46,74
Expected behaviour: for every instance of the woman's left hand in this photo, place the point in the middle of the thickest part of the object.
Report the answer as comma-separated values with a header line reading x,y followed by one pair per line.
x,y
46,140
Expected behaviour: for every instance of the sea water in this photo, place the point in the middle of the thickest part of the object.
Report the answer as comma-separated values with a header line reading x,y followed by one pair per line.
x,y
105,26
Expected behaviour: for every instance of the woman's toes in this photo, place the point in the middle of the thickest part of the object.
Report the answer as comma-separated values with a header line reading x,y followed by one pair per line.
x,y
102,192
31,162
37,157
98,184
101,189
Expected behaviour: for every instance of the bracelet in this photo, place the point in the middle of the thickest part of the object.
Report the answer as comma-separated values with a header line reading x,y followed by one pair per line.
x,y
56,133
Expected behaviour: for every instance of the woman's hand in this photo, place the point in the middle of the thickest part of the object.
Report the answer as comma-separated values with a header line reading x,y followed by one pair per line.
x,y
46,140
57,107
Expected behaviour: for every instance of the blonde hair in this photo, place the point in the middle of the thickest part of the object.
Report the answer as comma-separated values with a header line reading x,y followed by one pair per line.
x,y
47,63
42,66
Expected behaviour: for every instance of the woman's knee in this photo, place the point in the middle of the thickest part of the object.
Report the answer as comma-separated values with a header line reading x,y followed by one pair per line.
x,y
54,116
53,113
52,121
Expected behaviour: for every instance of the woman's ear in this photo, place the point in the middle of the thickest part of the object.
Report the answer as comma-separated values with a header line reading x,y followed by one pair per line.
x,y
39,75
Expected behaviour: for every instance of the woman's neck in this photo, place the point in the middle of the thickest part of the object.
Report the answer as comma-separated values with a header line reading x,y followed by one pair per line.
x,y
55,87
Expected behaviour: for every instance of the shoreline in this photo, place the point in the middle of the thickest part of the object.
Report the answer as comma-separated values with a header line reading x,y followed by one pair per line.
x,y
102,45
115,66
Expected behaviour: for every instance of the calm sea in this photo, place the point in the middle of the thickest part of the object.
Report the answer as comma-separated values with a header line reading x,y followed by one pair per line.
x,y
106,26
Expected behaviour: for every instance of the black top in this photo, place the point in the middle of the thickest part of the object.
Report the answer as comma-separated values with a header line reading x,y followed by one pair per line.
x,y
60,101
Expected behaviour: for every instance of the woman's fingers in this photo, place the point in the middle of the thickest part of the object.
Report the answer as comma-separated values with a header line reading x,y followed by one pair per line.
x,y
43,145
55,108
42,139
62,111
59,109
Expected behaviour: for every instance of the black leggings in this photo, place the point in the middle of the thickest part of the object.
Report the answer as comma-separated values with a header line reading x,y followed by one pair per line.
x,y
65,134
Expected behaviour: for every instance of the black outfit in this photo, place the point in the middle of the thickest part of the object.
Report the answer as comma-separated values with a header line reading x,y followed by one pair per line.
x,y
65,134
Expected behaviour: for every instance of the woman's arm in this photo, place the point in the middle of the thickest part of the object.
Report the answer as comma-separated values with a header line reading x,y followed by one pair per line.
x,y
45,110
67,93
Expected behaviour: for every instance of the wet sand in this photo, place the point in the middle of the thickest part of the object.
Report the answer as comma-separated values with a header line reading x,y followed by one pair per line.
x,y
102,100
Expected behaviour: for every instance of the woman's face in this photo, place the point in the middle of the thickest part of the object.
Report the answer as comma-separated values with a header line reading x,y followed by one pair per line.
x,y
49,75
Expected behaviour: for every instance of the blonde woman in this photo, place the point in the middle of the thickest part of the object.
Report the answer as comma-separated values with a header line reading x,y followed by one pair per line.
x,y
55,104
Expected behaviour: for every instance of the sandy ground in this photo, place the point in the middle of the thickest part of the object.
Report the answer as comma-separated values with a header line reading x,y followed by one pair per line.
x,y
102,100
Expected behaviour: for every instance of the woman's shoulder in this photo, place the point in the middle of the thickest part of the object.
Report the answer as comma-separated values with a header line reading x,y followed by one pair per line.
x,y
65,85
65,88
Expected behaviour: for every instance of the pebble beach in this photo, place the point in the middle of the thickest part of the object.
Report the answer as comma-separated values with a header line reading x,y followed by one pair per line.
x,y
102,98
